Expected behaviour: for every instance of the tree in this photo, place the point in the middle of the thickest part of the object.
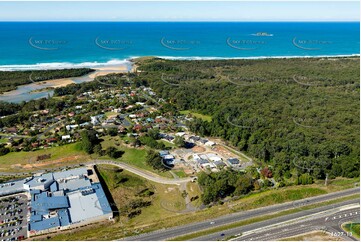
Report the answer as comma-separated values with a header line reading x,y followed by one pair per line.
x,y
4,151
112,131
112,152
154,160
88,140
304,179
244,185
179,141
97,149
153,133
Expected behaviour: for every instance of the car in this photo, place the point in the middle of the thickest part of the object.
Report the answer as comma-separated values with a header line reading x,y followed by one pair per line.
x,y
223,234
212,222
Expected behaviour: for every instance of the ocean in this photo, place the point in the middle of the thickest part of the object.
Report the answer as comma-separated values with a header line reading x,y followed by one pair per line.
x,y
49,45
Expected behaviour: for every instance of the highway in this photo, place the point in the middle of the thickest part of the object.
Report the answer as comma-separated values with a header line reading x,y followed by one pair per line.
x,y
317,223
173,232
325,218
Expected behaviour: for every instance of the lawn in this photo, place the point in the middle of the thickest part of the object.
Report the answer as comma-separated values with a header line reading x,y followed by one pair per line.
x,y
167,144
131,156
180,173
353,228
110,114
194,191
197,115
26,161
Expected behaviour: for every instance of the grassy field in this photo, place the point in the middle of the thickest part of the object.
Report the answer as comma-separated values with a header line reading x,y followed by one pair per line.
x,y
353,228
71,154
131,156
197,115
109,114
194,191
3,140
167,144
180,173
126,187
26,161
167,201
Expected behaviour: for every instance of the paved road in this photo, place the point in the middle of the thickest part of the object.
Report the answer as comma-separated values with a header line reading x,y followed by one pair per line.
x,y
293,224
140,172
14,136
167,234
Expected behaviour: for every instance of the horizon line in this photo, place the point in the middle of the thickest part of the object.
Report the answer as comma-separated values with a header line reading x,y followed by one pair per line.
x,y
183,21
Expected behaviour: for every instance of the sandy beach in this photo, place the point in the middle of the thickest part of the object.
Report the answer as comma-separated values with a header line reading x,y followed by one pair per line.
x,y
56,82
38,87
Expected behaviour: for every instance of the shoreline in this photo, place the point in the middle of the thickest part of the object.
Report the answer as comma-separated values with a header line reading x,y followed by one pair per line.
x,y
129,62
250,58
49,85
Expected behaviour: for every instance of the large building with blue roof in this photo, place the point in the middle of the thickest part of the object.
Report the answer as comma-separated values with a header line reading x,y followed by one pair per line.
x,y
62,200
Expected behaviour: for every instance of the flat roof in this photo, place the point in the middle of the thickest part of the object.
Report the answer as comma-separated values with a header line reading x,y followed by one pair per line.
x,y
74,184
12,187
70,173
41,180
83,207
44,224
42,202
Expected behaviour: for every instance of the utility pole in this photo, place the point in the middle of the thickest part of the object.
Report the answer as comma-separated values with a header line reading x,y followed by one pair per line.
x,y
326,180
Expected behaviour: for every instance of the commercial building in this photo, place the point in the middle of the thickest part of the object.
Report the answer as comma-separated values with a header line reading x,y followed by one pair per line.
x,y
61,200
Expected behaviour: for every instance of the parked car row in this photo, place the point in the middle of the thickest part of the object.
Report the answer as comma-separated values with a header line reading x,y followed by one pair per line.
x,y
13,212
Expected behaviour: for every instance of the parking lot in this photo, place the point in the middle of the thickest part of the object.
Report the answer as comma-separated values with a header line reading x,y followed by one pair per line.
x,y
13,217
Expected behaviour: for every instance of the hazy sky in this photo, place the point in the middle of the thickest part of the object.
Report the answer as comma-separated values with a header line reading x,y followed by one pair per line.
x,y
180,11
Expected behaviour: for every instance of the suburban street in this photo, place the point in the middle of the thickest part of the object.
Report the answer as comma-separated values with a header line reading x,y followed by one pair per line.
x,y
167,234
325,218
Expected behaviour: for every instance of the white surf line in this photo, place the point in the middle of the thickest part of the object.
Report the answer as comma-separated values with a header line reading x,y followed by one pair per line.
x,y
305,218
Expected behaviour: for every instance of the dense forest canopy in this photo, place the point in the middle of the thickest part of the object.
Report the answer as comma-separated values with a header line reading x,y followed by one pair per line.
x,y
9,80
300,113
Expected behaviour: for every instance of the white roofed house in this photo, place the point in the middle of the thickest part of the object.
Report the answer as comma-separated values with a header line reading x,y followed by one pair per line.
x,y
210,143
214,157
65,137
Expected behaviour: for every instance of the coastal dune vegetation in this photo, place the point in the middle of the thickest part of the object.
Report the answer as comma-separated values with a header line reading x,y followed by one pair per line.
x,y
9,80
